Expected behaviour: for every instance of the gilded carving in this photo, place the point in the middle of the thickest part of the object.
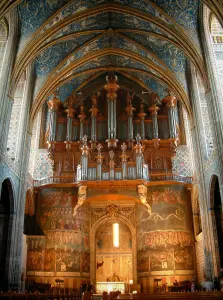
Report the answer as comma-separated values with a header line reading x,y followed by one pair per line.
x,y
82,195
113,211
30,203
142,193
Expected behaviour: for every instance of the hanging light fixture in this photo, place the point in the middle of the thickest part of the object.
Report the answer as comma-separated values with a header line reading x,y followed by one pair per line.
x,y
115,229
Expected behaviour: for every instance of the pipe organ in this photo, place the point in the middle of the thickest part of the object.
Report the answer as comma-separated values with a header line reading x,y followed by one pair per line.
x,y
114,138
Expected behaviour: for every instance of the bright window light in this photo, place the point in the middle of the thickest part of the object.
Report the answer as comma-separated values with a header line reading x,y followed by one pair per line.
x,y
115,235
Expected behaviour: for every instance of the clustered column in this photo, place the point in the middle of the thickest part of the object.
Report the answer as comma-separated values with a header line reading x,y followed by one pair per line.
x,y
111,87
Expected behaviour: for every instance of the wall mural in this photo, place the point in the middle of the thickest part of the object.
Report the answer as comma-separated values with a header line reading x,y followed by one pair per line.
x,y
165,237
113,264
65,246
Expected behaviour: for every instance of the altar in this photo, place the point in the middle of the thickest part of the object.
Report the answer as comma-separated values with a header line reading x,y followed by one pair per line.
x,y
110,287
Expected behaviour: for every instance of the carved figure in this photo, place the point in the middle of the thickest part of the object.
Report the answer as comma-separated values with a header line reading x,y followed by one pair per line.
x,y
82,195
142,193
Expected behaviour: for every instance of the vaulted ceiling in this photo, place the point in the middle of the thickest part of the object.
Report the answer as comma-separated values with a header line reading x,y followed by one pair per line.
x,y
73,43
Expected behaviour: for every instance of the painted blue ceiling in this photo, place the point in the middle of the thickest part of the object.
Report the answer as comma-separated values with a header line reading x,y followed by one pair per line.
x,y
185,12
66,89
50,58
33,13
89,23
112,61
153,84
164,54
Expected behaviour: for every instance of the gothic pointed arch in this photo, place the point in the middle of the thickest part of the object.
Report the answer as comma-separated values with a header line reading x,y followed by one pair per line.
x,y
7,206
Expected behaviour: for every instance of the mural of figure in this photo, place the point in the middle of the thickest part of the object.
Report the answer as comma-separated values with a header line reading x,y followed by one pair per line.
x,y
142,194
82,195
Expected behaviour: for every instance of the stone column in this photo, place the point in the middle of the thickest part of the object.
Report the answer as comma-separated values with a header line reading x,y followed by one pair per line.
x,y
8,60
82,118
142,115
94,113
111,87
129,110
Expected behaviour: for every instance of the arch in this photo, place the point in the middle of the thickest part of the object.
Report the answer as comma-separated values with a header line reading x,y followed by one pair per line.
x,y
50,85
3,42
105,220
216,220
39,37
6,219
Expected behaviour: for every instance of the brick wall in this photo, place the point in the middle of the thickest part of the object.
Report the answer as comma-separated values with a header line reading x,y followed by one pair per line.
x,y
200,257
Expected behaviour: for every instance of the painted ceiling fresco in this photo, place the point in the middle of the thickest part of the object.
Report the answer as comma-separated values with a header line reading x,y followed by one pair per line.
x,y
70,34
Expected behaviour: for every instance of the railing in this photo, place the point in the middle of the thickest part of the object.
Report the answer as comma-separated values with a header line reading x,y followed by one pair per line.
x,y
105,177
41,296
170,177
54,179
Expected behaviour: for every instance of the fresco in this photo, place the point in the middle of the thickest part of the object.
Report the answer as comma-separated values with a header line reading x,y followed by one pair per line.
x,y
165,237
65,246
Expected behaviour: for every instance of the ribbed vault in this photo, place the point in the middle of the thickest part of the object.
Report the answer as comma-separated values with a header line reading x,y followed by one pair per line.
x,y
73,42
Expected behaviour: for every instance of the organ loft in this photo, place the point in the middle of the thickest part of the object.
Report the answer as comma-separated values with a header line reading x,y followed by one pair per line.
x,y
111,157
114,209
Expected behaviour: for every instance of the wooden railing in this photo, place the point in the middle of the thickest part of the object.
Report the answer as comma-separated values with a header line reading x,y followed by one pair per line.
x,y
40,296
151,177
173,295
